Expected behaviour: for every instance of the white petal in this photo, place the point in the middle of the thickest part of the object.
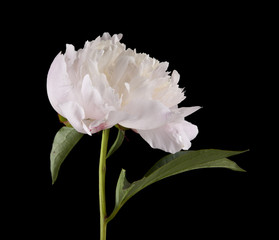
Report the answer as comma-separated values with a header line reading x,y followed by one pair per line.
x,y
75,115
172,137
181,113
175,76
116,37
127,85
70,54
116,117
106,36
100,104
144,114
161,70
122,67
189,130
108,58
58,83
93,101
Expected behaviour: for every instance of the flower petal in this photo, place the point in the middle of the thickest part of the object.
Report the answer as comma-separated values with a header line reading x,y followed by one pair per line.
x,y
181,113
145,114
93,101
70,54
171,137
75,115
115,38
60,88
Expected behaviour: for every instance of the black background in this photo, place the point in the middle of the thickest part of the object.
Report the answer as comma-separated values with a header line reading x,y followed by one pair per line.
x,y
214,47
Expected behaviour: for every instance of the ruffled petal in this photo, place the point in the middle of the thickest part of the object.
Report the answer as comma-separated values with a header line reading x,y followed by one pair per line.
x,y
115,38
171,137
98,97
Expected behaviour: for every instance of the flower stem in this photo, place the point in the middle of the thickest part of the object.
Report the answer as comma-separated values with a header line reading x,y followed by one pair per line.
x,y
102,191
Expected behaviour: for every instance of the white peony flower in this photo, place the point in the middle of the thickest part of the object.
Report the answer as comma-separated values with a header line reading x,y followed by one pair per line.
x,y
105,84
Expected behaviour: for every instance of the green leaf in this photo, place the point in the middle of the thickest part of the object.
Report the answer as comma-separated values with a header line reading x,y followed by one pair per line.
x,y
64,141
117,143
170,165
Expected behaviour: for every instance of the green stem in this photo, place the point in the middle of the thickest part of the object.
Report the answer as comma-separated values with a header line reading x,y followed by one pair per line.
x,y
102,190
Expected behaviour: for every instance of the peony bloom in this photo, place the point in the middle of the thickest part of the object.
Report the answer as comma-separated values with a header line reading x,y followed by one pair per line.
x,y
105,84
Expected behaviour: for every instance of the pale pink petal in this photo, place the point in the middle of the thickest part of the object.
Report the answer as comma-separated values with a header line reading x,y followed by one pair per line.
x,y
94,126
